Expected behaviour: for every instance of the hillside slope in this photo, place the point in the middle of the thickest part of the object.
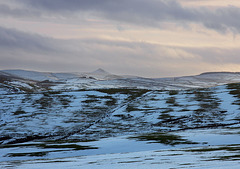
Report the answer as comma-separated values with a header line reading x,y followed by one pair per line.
x,y
65,114
97,126
12,81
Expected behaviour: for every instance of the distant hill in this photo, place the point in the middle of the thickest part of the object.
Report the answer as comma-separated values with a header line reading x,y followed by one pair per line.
x,y
20,80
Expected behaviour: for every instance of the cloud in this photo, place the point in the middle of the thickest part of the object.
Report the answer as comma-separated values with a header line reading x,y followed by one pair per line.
x,y
7,11
32,51
93,21
217,56
14,39
25,50
148,13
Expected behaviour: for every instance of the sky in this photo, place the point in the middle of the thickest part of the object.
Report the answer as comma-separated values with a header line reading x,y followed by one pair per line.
x,y
150,38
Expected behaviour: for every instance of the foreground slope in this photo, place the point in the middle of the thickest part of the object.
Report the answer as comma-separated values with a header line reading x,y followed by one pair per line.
x,y
86,123
99,113
60,124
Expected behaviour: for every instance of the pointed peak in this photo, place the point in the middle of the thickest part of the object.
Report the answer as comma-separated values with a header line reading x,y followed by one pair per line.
x,y
100,71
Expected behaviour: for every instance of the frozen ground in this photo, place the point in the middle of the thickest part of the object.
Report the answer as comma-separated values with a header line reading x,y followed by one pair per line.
x,y
121,128
178,158
100,120
219,150
24,81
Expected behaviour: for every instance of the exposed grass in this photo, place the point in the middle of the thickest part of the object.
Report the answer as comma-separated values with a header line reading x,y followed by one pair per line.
x,y
208,110
133,93
92,96
184,110
55,161
163,138
53,92
19,112
171,154
172,101
44,153
111,102
123,116
235,91
45,101
173,92
67,141
131,161
227,148
131,107
71,146
73,121
165,116
4,78
30,154
229,158
233,86
106,97
64,101
203,95
200,110
90,101
49,145
187,164
25,89
167,110
153,99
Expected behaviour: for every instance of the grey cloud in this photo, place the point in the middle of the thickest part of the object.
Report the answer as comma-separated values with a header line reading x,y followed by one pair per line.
x,y
221,19
145,12
137,9
13,39
216,55
31,51
6,10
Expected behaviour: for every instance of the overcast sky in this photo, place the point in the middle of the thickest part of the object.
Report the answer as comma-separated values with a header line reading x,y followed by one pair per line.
x,y
151,38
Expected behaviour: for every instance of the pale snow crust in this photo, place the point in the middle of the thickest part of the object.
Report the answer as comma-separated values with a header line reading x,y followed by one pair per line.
x,y
137,160
80,114
102,79
117,150
59,117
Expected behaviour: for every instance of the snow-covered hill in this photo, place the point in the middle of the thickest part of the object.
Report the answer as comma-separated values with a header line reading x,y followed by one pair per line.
x,y
32,81
101,120
74,114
